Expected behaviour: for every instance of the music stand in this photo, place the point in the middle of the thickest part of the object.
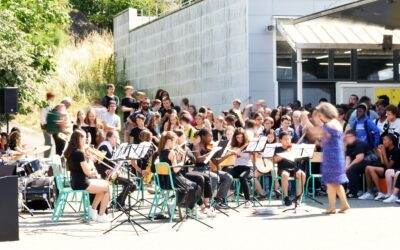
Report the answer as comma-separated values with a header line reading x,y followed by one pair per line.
x,y
256,145
127,212
299,154
221,153
139,151
187,215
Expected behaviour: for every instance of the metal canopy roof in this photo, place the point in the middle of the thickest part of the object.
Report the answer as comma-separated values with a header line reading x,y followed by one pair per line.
x,y
358,25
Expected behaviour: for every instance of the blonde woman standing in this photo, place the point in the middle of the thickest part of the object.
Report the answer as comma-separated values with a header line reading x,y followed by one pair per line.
x,y
333,161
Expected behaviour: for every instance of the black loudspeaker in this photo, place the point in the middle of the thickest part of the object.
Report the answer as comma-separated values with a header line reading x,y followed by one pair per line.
x,y
387,42
9,227
9,100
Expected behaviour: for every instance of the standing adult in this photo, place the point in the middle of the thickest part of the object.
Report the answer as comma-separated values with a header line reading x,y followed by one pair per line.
x,y
110,97
43,122
61,123
144,110
333,161
128,106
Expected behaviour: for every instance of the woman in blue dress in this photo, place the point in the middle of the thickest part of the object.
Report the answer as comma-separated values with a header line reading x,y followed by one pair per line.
x,y
333,160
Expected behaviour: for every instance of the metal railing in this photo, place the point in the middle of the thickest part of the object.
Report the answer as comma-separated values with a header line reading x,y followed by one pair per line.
x,y
161,3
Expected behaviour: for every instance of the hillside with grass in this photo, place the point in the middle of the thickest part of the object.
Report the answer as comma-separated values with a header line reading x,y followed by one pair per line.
x,y
63,46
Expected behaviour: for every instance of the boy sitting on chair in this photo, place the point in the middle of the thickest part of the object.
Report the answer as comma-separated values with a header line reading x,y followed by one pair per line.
x,y
287,168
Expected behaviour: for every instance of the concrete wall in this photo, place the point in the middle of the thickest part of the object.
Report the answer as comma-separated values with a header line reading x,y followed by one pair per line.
x,y
262,57
200,52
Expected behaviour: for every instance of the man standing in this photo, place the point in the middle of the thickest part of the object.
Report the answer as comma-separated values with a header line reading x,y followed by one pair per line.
x,y
144,110
110,97
128,106
43,122
59,122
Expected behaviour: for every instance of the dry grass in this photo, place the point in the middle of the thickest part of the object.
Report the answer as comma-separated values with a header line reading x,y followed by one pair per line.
x,y
83,69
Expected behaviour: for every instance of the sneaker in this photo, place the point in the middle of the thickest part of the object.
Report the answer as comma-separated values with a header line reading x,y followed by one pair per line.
x,y
366,196
211,213
103,219
398,201
248,204
262,196
391,199
387,196
93,214
287,201
221,205
380,196
200,215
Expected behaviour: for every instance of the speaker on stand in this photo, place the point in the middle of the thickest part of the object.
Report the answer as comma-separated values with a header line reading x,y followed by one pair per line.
x,y
8,102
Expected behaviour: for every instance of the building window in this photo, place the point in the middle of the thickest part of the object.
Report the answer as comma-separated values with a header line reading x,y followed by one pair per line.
x,y
375,65
315,64
342,64
284,62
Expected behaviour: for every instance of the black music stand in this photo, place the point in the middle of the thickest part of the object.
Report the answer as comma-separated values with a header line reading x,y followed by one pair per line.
x,y
300,153
131,151
225,144
142,149
269,153
255,146
220,150
187,215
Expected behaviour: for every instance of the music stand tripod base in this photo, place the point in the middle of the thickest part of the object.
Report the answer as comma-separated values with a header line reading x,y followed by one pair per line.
x,y
187,216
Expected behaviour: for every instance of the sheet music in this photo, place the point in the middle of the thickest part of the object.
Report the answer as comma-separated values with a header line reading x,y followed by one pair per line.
x,y
124,153
257,144
269,150
118,150
142,149
298,151
211,154
261,144
132,154
225,144
252,145
305,150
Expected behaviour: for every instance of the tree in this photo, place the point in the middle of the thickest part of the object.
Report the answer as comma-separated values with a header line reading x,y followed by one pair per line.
x,y
102,12
16,62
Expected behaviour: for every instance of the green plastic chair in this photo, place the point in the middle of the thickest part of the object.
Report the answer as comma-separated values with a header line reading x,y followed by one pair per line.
x,y
62,200
237,190
311,178
163,169
275,177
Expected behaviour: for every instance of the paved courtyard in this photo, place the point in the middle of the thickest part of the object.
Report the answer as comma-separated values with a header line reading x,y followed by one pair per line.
x,y
368,225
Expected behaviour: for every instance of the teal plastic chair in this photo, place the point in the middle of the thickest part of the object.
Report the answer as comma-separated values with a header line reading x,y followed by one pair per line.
x,y
237,190
317,158
163,169
62,200
275,177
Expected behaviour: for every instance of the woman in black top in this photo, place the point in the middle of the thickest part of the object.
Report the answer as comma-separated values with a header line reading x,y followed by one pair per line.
x,y
186,189
91,126
81,170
